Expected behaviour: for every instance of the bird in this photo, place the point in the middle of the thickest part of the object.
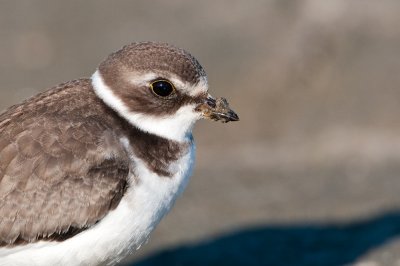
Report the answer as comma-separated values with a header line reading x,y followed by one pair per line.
x,y
88,168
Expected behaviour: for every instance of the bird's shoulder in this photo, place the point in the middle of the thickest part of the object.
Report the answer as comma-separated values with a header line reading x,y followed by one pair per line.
x,y
59,158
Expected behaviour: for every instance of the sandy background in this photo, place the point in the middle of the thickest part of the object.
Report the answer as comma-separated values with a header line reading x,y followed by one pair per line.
x,y
311,173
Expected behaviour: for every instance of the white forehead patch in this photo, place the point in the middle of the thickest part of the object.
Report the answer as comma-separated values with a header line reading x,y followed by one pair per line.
x,y
190,89
177,126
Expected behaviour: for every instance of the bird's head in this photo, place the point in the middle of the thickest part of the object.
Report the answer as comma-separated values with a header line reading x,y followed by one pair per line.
x,y
158,88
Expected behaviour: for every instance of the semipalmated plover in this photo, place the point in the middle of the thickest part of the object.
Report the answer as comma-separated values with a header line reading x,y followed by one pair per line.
x,y
89,167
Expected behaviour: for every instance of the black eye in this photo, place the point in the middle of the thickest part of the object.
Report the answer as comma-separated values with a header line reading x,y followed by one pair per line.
x,y
162,88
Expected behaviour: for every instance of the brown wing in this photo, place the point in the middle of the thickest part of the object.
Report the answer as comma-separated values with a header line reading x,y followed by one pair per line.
x,y
56,175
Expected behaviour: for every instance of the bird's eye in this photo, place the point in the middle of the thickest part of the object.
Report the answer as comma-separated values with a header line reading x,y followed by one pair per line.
x,y
162,88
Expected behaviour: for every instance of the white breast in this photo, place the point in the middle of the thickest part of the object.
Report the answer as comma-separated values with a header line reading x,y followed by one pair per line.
x,y
123,230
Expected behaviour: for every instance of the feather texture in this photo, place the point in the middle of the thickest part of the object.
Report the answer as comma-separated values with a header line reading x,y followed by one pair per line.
x,y
61,168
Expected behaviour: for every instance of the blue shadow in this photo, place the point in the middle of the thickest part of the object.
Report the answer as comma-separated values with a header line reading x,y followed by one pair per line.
x,y
281,245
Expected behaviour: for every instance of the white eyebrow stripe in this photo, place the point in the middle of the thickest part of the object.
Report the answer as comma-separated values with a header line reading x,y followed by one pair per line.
x,y
178,83
144,79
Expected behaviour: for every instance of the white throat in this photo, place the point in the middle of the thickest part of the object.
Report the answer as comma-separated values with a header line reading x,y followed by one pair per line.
x,y
177,127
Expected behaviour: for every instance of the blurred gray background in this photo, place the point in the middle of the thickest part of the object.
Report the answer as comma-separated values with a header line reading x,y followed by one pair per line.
x,y
311,173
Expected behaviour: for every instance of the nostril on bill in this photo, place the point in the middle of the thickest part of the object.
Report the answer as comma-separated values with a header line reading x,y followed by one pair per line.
x,y
211,102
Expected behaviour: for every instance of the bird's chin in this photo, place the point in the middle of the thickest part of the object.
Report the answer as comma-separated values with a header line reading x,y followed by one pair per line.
x,y
217,110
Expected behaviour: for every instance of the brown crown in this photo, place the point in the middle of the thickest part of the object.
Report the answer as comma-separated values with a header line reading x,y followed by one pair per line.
x,y
160,58
152,56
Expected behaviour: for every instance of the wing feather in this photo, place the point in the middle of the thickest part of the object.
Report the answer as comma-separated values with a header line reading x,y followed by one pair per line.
x,y
57,176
